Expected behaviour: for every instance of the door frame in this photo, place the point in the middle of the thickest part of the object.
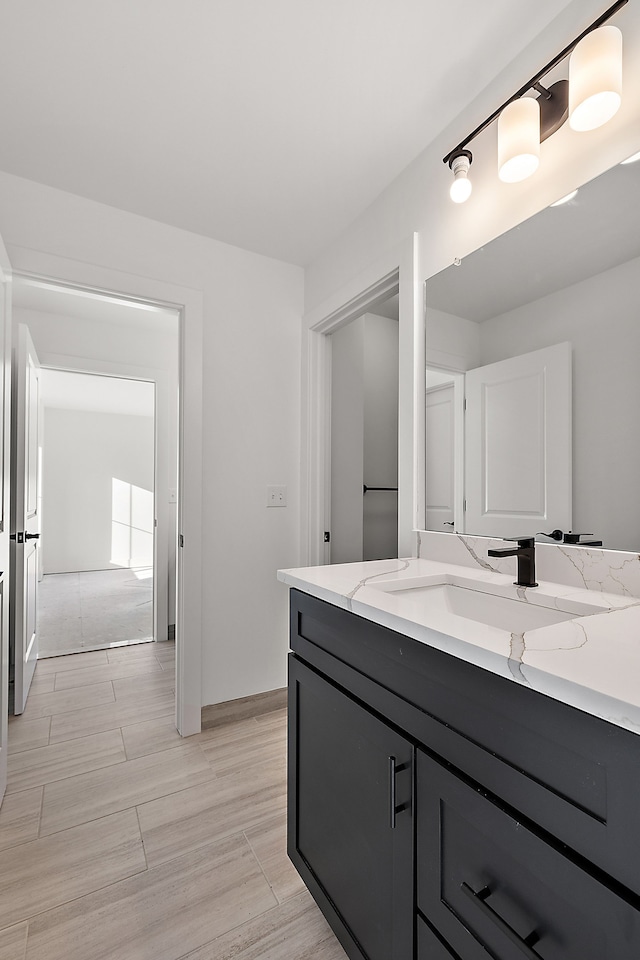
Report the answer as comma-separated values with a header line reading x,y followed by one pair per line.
x,y
26,424
161,485
396,271
189,303
5,505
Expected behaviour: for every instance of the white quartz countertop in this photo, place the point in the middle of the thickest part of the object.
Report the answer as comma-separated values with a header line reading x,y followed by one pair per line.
x,y
591,662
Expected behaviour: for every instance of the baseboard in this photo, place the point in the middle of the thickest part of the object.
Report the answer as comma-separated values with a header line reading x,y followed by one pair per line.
x,y
217,714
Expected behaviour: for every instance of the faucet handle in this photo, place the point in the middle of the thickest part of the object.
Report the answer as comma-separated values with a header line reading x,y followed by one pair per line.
x,y
527,541
554,535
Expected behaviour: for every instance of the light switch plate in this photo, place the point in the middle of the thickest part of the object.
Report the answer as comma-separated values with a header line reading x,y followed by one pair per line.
x,y
276,495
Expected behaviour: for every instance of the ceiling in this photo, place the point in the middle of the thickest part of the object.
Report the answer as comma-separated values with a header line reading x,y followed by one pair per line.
x,y
271,126
557,247
94,394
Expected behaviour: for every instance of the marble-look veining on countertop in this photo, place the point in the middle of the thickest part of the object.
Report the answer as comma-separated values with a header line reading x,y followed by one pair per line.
x,y
517,650
400,566
609,571
591,661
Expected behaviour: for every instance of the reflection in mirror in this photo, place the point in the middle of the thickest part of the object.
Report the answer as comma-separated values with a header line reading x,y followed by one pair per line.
x,y
540,330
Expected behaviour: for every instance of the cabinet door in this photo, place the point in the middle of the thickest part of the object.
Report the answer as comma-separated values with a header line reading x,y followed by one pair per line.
x,y
350,816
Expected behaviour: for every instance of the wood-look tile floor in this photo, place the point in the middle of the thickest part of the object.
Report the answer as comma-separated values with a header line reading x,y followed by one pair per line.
x,y
119,840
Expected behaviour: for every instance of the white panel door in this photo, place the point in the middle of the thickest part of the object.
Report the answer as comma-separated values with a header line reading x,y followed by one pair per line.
x,y
440,458
518,445
25,521
5,433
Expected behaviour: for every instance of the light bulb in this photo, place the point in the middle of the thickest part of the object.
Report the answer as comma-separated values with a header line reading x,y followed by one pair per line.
x,y
461,187
519,140
595,79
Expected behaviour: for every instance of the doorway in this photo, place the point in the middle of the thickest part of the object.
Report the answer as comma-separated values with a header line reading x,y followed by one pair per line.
x,y
393,273
364,436
97,512
134,346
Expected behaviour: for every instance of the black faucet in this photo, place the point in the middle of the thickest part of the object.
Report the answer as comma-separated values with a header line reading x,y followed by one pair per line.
x,y
526,554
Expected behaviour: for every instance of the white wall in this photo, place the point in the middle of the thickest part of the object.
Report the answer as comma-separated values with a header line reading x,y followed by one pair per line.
x,y
249,366
418,199
606,390
364,439
90,462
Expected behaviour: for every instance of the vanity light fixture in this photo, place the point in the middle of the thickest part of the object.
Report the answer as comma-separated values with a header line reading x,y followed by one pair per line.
x,y
590,97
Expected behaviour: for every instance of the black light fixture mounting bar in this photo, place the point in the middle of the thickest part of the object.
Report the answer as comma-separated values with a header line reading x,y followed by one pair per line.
x,y
602,19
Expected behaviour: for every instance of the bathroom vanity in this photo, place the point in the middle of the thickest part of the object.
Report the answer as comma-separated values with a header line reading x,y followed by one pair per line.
x,y
460,790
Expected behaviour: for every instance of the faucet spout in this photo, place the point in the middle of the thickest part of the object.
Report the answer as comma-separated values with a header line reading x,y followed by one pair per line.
x,y
503,552
526,555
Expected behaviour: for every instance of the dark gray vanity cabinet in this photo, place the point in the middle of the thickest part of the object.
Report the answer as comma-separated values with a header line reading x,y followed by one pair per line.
x,y
439,812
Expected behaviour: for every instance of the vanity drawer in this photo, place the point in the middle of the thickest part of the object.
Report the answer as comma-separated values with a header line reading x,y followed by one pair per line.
x,y
489,884
574,775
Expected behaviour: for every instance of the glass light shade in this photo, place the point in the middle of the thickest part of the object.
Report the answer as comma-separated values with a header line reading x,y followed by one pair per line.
x,y
595,79
519,140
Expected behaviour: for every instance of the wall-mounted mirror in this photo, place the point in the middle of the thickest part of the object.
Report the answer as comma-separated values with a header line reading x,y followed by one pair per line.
x,y
539,331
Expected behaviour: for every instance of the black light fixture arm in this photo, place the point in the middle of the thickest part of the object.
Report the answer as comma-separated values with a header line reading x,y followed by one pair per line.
x,y
535,81
543,91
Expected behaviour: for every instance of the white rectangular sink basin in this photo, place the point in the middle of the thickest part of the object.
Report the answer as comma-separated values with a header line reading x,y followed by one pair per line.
x,y
504,613
497,605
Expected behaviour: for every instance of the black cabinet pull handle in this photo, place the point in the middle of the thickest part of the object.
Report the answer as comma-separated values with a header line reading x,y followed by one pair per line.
x,y
32,536
394,807
480,899
392,792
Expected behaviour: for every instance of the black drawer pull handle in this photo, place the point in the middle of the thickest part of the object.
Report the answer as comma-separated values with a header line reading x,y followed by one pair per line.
x,y
392,792
480,899
394,807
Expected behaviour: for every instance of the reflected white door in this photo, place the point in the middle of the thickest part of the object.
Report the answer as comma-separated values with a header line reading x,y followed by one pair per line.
x,y
25,521
518,445
440,458
5,427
